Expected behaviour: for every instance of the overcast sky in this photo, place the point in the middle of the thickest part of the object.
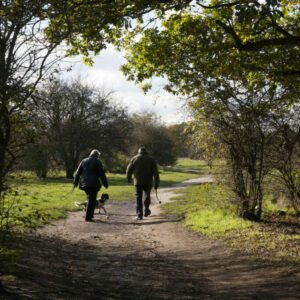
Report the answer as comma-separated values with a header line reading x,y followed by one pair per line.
x,y
106,74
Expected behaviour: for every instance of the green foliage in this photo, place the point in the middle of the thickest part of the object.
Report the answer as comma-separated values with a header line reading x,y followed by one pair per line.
x,y
116,163
180,138
150,132
205,142
229,41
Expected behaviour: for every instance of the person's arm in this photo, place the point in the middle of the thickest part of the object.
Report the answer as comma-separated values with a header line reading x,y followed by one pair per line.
x,y
129,171
77,175
102,175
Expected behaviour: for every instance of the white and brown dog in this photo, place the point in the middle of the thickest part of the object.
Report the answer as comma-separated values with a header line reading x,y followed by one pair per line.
x,y
100,202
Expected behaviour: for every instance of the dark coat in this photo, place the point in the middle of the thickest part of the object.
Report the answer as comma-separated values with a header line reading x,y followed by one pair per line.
x,y
144,170
91,174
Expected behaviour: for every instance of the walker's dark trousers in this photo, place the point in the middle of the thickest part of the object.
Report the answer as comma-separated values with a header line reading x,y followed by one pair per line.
x,y
91,197
139,189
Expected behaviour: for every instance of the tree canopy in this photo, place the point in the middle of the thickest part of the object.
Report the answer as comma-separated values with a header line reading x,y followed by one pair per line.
x,y
223,38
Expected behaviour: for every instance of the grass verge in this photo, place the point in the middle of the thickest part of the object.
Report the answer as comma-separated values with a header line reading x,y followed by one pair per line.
x,y
35,202
206,209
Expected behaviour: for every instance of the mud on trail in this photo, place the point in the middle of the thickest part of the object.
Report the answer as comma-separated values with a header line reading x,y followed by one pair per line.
x,y
155,258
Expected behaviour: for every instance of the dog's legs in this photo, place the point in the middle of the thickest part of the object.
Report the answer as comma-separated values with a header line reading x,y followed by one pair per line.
x,y
107,216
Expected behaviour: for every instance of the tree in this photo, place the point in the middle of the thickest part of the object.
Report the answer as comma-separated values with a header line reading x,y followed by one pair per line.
x,y
23,58
149,132
36,157
180,139
284,155
30,33
204,141
77,119
240,117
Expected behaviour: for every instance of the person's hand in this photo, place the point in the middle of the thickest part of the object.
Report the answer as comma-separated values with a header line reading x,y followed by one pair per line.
x,y
129,180
156,187
106,186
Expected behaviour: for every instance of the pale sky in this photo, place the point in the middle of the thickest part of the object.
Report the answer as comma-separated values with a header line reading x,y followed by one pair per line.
x,y
106,74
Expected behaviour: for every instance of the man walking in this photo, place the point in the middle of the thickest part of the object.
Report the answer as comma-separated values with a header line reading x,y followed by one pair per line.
x,y
144,170
91,174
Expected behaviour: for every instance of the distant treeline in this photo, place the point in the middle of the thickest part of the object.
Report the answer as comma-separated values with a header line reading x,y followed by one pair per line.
x,y
65,120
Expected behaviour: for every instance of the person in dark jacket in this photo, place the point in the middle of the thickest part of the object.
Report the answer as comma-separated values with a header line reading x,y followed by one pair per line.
x,y
90,175
144,169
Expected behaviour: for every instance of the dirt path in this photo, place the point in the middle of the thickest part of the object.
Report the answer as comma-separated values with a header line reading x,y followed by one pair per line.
x,y
156,258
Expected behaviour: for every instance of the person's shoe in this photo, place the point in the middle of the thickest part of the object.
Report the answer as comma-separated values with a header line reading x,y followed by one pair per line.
x,y
89,220
139,218
147,212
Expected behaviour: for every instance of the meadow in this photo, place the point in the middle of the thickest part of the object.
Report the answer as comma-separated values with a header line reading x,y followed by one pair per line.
x,y
34,201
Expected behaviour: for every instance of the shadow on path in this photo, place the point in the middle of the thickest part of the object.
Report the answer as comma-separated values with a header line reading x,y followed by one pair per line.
x,y
58,269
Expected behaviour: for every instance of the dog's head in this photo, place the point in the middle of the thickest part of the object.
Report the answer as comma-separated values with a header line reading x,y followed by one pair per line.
x,y
104,198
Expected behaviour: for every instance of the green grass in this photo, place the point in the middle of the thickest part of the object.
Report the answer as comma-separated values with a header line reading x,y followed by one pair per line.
x,y
198,166
169,177
191,163
37,201
206,209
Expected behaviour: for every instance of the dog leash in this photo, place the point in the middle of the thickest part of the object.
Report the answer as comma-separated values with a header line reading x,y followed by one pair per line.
x,y
68,193
157,196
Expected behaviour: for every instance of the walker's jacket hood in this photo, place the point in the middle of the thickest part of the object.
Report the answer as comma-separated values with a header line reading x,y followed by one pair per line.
x,y
90,173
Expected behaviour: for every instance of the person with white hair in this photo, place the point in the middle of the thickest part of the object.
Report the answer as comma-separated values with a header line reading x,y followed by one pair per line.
x,y
90,176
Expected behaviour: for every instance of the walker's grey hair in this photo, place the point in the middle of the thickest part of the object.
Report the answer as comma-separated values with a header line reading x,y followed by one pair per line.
x,y
95,153
142,150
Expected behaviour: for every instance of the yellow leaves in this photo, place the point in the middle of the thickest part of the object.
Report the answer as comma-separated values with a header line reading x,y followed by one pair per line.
x,y
88,61
292,2
146,86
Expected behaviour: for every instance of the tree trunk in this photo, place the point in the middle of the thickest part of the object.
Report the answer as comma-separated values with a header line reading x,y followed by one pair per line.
x,y
69,172
2,290
244,212
295,202
4,140
70,169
